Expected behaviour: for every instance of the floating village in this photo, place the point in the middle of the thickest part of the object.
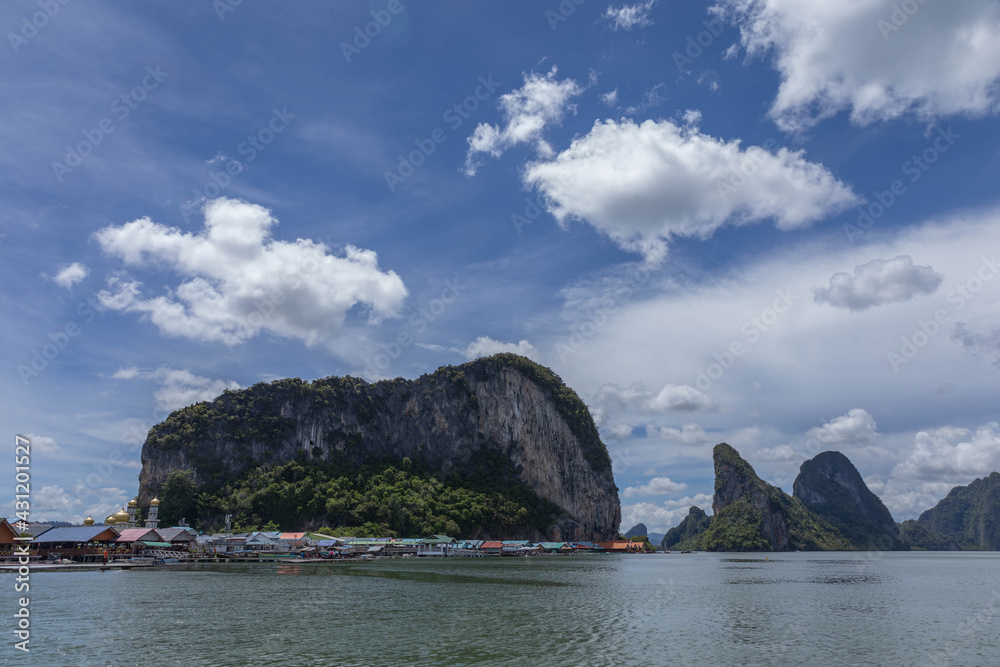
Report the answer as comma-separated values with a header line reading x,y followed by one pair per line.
x,y
120,542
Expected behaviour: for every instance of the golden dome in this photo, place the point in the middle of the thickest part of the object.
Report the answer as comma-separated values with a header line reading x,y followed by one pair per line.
x,y
121,516
110,520
154,502
133,503
89,521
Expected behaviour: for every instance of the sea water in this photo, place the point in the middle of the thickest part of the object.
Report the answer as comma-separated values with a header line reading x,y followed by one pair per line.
x,y
695,609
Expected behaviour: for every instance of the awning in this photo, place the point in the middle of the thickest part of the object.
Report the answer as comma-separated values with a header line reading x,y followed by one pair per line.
x,y
157,544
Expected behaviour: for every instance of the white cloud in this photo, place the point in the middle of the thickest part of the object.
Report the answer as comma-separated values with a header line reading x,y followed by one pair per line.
x,y
484,346
54,503
689,434
178,388
610,98
627,17
777,454
71,275
953,455
42,444
527,111
943,60
663,517
238,281
618,432
49,501
879,282
644,184
672,398
658,486
855,429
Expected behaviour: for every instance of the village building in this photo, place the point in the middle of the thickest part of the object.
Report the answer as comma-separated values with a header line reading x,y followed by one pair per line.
x,y
76,542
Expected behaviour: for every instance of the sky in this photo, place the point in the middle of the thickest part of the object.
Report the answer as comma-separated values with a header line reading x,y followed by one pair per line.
x,y
766,222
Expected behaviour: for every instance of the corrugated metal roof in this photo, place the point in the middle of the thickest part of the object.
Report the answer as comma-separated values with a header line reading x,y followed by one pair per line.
x,y
139,534
37,529
172,534
491,545
75,534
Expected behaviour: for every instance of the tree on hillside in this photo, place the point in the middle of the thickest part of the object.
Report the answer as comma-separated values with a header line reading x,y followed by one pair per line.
x,y
180,499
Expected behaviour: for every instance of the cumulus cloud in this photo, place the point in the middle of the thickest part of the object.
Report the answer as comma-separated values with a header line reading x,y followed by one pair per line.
x,y
943,60
642,184
855,429
689,434
484,346
71,275
527,111
879,282
42,444
658,486
954,455
627,17
238,281
618,432
661,518
777,454
672,398
178,388
54,503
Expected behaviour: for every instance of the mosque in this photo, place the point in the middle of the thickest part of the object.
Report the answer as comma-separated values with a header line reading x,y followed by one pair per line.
x,y
128,518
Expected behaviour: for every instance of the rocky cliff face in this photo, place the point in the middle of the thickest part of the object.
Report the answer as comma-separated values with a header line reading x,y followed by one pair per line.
x,y
687,534
969,515
638,530
444,421
750,514
832,488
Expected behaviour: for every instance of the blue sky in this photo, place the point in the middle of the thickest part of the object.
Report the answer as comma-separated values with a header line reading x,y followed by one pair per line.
x,y
754,221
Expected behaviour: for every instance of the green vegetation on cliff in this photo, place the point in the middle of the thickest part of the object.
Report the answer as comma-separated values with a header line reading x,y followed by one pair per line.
x,y
688,534
387,499
737,527
970,515
919,538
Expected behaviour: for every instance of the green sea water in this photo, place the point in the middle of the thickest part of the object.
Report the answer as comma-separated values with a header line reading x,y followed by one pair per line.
x,y
700,609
